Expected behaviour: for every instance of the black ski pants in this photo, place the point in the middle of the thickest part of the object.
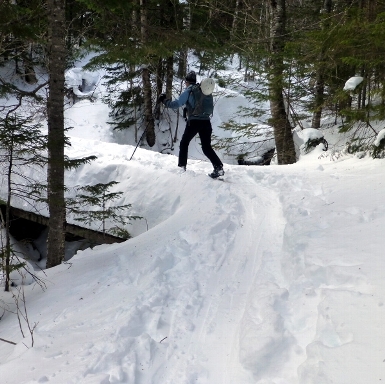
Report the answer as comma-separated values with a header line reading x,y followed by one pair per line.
x,y
204,129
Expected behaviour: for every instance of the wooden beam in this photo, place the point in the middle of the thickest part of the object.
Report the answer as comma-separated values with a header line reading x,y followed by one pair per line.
x,y
89,234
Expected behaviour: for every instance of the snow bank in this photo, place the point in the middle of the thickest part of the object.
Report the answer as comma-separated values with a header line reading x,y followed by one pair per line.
x,y
379,138
83,83
352,83
303,139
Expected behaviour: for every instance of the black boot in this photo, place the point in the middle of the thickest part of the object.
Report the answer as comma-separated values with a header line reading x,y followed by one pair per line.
x,y
218,171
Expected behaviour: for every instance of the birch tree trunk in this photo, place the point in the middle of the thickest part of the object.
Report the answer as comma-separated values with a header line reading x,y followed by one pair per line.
x,y
55,111
282,129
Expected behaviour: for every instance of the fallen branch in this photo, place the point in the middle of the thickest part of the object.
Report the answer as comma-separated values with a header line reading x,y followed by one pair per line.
x,y
7,341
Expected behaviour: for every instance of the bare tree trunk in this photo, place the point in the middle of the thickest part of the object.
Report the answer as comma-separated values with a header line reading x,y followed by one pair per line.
x,y
169,76
282,129
147,95
148,116
319,99
159,76
55,111
320,76
182,59
8,249
235,23
132,69
29,71
159,86
182,64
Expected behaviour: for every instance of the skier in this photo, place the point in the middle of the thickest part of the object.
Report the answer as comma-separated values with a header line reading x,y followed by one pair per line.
x,y
196,124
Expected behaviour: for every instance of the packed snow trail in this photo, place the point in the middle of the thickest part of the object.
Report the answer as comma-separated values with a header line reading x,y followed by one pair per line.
x,y
186,283
234,282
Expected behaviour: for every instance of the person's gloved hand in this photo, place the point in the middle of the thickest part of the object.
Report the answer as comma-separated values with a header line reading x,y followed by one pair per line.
x,y
161,98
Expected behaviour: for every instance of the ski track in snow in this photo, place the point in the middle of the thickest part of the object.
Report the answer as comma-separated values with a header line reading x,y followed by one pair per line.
x,y
249,284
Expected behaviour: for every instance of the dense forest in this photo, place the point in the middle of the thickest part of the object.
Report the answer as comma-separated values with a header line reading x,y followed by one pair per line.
x,y
305,51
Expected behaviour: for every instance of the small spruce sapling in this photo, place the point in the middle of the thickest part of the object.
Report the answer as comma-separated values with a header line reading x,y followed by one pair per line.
x,y
93,204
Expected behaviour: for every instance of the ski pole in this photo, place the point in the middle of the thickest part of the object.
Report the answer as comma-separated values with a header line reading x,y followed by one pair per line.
x,y
137,145
145,130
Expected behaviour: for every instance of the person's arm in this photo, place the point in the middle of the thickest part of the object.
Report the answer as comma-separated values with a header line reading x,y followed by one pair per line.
x,y
179,102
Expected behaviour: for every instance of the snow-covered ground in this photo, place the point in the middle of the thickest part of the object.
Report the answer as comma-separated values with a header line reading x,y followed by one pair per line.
x,y
275,275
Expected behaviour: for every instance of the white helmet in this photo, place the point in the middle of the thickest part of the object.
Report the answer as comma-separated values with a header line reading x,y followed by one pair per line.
x,y
207,86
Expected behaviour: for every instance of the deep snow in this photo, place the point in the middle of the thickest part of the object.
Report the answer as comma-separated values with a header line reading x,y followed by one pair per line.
x,y
273,276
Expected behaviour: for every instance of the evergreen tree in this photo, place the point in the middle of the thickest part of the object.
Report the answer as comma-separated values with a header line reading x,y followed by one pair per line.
x,y
279,119
144,37
21,31
264,45
320,68
346,42
94,204
125,105
22,146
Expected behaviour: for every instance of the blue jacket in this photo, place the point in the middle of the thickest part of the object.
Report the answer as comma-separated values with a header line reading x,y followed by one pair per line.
x,y
185,98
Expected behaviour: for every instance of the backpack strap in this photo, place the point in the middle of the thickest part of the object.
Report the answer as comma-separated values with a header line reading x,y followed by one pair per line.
x,y
189,108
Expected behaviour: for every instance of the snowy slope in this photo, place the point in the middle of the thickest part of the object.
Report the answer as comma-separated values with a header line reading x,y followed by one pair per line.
x,y
275,275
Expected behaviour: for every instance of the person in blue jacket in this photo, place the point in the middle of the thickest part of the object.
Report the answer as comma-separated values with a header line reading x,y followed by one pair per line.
x,y
195,125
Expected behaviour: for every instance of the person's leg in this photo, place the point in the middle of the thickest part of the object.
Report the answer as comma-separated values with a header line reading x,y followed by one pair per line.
x,y
205,130
188,135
